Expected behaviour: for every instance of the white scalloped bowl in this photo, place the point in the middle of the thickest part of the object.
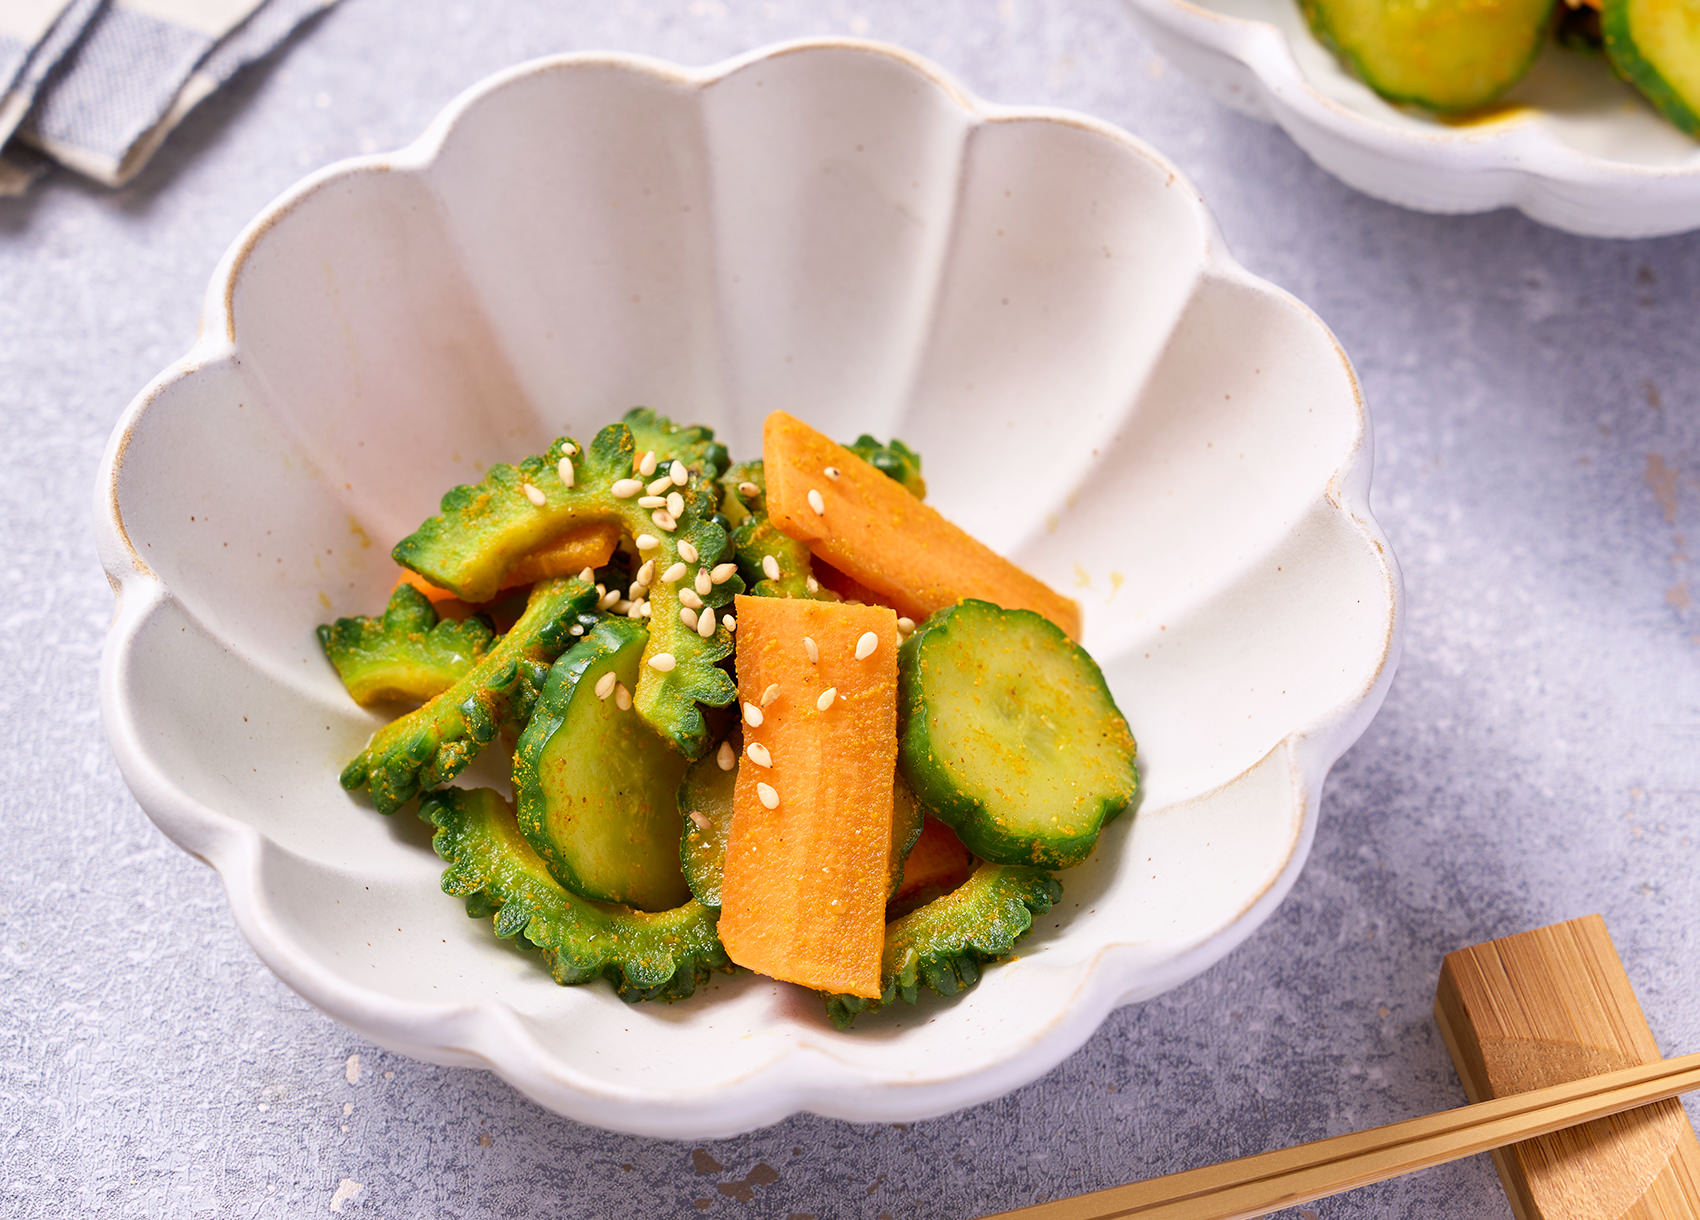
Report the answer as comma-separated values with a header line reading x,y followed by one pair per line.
x,y
1037,301
1571,146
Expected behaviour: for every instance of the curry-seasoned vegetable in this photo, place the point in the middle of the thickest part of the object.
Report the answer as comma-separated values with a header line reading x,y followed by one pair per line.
x,y
704,457
407,653
1442,54
661,956
1010,736
595,789
896,460
431,745
1655,46
942,945
771,564
482,529
705,798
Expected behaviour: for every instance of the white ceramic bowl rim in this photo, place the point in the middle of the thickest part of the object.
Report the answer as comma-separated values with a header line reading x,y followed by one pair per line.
x,y
486,1031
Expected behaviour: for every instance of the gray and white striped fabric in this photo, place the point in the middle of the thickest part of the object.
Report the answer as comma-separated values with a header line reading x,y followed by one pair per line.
x,y
129,72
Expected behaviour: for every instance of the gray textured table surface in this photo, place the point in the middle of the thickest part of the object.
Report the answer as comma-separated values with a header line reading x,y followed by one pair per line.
x,y
1536,401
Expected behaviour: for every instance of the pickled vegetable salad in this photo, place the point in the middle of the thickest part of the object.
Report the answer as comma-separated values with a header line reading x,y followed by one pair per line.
x,y
780,715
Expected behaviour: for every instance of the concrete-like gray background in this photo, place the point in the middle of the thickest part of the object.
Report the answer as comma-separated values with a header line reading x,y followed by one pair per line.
x,y
1536,401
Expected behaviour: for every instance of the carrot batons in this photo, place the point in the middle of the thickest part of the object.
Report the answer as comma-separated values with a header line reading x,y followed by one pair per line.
x,y
586,546
868,527
803,897
937,864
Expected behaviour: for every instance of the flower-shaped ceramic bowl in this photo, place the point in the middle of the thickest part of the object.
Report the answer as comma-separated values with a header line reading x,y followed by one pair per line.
x,y
1571,146
1037,301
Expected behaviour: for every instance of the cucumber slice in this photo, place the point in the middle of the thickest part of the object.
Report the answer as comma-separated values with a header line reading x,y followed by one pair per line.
x,y
707,794
1440,54
1655,46
595,785
1008,734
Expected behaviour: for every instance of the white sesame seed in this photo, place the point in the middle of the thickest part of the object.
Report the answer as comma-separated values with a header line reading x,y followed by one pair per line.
x,y
644,607
752,715
662,662
768,797
679,473
730,623
770,694
674,574
811,584
687,552
826,698
637,590
652,501
658,487
564,468
748,489
810,648
576,629
646,464
688,597
588,575
605,685
532,494
621,604
635,610
622,697
698,820
722,573
831,472
568,448
664,519
866,644
688,617
625,489
647,542
676,504
607,600
705,623
770,567
758,755
906,624
646,574
704,583
724,757
816,502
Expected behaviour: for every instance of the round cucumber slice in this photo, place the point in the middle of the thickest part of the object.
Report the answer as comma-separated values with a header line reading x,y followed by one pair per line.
x,y
595,786
1439,54
1655,46
1008,734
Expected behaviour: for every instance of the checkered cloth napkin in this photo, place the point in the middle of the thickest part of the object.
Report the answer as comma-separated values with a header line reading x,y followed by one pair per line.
x,y
97,85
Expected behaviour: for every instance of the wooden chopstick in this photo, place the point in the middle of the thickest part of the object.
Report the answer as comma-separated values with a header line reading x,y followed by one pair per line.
x,y
1254,1185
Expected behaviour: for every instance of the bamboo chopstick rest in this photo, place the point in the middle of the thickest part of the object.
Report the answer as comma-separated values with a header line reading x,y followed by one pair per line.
x,y
1553,1005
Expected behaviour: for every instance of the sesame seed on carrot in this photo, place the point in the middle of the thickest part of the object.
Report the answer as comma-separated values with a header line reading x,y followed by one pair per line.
x,y
826,698
758,755
866,644
817,502
767,795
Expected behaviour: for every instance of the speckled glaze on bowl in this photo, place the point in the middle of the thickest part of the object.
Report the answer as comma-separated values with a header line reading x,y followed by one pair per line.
x,y
1037,301
1571,146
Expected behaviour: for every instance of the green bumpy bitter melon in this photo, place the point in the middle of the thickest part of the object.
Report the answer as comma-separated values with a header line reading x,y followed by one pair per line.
x,y
431,745
407,653
942,945
484,528
666,955
896,461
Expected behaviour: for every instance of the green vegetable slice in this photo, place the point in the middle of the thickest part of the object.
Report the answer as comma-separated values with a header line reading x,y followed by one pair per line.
x,y
942,945
705,799
705,796
596,790
895,460
483,529
661,956
1655,46
1441,54
431,745
407,653
1008,734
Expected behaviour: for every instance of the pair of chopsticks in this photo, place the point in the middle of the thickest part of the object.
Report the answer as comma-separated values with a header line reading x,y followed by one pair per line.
x,y
1269,1181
